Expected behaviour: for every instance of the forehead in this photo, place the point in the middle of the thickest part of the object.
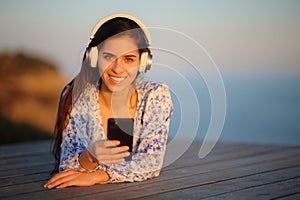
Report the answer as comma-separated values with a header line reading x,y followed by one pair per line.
x,y
120,45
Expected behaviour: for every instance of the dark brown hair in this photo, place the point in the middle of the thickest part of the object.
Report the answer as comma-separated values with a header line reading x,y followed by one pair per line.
x,y
115,27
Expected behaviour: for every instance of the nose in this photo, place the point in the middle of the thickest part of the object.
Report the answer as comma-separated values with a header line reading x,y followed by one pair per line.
x,y
118,66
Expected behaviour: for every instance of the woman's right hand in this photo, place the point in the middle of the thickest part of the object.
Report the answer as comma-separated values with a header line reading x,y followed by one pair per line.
x,y
108,152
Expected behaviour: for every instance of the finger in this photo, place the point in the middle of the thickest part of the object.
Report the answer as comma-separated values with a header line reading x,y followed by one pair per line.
x,y
57,182
113,150
111,143
109,151
107,143
113,161
54,178
59,175
60,179
106,154
122,155
66,184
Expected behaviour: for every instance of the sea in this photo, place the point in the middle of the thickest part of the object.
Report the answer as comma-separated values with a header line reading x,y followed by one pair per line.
x,y
260,109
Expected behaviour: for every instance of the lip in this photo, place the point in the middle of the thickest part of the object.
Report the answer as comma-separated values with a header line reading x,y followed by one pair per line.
x,y
116,79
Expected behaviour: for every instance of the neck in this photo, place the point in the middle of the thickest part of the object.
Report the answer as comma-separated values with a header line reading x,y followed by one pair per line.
x,y
116,101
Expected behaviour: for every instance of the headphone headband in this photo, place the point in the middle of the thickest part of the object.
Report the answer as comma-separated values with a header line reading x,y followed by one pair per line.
x,y
107,18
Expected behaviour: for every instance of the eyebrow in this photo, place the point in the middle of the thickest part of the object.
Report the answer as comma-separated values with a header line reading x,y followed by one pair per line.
x,y
129,56
107,53
126,55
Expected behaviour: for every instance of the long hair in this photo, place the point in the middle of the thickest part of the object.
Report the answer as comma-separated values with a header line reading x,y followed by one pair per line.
x,y
115,27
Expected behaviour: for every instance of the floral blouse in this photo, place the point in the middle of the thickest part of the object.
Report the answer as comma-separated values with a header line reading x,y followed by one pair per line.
x,y
151,126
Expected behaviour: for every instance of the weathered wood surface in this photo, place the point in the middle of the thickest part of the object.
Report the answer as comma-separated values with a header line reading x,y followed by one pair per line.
x,y
230,171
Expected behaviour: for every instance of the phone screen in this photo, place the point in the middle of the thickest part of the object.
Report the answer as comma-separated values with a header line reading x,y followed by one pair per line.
x,y
121,129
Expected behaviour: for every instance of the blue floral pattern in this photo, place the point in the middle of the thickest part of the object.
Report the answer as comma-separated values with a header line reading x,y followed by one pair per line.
x,y
151,127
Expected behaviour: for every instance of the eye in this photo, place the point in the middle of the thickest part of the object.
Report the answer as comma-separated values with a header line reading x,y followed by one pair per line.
x,y
129,59
108,57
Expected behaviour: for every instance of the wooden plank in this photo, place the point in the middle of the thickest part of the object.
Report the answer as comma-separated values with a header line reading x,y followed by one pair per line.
x,y
24,179
22,149
225,155
292,196
159,185
31,158
183,160
230,163
25,161
224,187
19,179
217,154
26,170
189,181
220,160
267,191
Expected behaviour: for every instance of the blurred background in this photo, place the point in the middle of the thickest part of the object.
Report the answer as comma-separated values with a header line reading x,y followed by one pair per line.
x,y
255,44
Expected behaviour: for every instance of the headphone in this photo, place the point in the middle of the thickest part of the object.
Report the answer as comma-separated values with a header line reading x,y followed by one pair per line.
x,y
91,54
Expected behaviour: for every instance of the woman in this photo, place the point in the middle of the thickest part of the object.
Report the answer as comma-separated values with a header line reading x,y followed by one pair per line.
x,y
109,86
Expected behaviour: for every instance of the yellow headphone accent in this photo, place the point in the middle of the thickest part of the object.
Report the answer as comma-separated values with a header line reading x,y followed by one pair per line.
x,y
91,54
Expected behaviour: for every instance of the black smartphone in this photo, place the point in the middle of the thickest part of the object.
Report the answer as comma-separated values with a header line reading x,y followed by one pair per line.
x,y
121,129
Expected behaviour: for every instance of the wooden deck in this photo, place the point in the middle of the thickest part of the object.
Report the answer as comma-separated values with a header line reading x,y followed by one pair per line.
x,y
230,171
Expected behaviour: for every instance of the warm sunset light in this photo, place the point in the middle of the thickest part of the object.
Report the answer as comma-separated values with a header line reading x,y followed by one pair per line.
x,y
150,99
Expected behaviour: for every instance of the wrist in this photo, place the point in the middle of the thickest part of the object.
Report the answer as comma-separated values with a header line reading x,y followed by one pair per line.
x,y
101,176
87,161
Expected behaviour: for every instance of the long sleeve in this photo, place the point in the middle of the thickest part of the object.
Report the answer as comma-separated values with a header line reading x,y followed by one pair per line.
x,y
73,144
78,133
150,145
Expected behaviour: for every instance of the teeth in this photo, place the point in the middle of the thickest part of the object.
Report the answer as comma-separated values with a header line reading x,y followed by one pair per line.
x,y
117,79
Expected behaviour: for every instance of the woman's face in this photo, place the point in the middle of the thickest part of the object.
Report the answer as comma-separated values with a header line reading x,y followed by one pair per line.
x,y
118,63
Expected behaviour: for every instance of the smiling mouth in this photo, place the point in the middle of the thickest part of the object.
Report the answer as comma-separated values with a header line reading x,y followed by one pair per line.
x,y
117,79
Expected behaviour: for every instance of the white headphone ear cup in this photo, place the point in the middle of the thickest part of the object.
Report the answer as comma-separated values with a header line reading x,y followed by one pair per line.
x,y
149,61
92,57
143,62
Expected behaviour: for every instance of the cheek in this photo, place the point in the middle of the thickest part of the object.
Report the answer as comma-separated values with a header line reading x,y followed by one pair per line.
x,y
102,66
133,71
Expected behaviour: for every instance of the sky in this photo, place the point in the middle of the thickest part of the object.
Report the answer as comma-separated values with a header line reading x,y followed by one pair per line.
x,y
241,36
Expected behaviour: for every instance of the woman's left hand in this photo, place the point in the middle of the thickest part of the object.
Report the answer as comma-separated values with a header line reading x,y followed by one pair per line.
x,y
71,177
